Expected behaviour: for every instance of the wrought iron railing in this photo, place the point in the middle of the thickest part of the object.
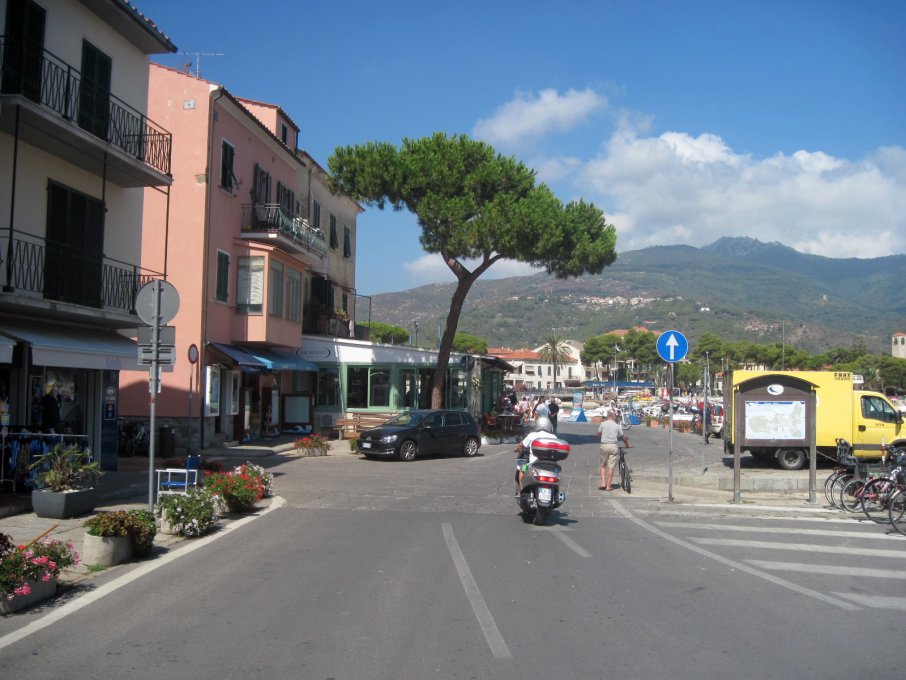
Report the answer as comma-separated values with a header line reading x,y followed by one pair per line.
x,y
67,274
272,217
41,76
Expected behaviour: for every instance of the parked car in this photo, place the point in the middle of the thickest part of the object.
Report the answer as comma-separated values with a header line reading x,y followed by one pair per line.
x,y
422,433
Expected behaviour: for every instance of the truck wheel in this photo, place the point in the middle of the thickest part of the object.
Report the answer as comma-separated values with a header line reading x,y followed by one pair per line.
x,y
791,459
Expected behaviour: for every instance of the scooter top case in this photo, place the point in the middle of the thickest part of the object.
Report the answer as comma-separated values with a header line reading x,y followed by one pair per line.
x,y
550,449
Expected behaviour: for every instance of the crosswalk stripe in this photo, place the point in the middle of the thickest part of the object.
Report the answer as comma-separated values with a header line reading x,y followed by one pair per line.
x,y
783,530
876,601
801,547
827,569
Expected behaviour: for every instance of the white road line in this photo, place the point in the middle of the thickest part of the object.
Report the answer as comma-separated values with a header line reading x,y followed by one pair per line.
x,y
780,530
808,592
570,543
491,633
146,568
829,569
876,601
801,547
772,508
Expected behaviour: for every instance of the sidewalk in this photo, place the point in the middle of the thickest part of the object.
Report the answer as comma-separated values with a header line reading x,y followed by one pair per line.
x,y
124,489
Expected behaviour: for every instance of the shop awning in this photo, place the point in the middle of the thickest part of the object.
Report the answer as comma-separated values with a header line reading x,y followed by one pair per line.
x,y
280,359
238,355
6,349
75,347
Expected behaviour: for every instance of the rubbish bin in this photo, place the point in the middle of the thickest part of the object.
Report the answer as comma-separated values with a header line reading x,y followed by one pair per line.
x,y
166,442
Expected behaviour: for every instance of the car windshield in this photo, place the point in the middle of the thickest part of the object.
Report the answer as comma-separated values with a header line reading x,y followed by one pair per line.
x,y
406,419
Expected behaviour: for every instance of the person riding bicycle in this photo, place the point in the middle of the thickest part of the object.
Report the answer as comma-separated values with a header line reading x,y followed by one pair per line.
x,y
543,429
611,435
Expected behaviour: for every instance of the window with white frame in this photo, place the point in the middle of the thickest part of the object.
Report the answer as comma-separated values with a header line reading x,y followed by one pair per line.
x,y
275,290
250,285
316,215
293,295
222,293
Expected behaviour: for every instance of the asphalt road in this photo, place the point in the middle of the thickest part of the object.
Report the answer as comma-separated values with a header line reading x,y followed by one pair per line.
x,y
378,569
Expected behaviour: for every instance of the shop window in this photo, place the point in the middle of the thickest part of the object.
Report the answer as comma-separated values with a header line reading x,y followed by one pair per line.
x,y
379,388
328,386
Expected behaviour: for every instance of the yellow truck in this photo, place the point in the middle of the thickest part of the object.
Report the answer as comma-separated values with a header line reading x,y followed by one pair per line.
x,y
770,413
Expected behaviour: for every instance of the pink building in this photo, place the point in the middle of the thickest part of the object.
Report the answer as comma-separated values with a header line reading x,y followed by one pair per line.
x,y
260,252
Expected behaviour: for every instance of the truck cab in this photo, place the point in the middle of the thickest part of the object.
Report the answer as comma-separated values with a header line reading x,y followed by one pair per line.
x,y
876,422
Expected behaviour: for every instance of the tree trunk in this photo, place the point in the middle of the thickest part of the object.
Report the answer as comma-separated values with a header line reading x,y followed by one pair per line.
x,y
446,344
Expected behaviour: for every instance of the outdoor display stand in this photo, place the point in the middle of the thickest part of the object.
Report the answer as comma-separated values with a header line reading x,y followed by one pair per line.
x,y
774,410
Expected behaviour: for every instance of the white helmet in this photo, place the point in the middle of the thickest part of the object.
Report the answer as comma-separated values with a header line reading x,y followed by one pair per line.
x,y
544,424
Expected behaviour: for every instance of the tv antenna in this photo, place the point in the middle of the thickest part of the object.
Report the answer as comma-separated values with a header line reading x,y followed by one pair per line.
x,y
198,56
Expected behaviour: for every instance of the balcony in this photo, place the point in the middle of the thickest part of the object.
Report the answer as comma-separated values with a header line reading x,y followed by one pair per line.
x,y
48,104
269,223
49,278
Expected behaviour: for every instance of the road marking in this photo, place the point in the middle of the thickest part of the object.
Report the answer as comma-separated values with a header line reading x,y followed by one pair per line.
x,y
783,583
876,601
87,598
491,633
829,569
570,543
801,547
773,508
779,530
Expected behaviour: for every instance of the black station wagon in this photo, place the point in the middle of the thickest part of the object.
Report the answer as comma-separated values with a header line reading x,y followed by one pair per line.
x,y
422,433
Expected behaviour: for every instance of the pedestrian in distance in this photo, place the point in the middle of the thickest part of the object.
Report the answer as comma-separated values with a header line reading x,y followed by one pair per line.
x,y
553,409
611,434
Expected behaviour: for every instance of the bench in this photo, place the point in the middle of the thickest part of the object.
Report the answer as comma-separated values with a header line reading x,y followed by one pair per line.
x,y
354,424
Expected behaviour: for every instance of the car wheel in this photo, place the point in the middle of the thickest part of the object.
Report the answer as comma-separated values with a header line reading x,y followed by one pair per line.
x,y
791,459
408,450
471,447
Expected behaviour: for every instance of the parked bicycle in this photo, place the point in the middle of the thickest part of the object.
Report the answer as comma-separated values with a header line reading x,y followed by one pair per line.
x,y
133,438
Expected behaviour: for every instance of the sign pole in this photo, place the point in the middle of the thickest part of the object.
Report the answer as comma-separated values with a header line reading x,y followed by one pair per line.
x,y
152,386
670,449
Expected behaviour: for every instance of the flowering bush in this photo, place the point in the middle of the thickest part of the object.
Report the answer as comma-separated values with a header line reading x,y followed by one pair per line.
x,y
40,561
266,478
191,513
316,444
138,524
239,490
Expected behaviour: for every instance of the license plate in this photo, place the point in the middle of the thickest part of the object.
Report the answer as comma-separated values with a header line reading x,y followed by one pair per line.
x,y
544,494
366,445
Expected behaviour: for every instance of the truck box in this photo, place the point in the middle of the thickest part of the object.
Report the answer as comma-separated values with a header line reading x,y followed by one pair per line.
x,y
776,425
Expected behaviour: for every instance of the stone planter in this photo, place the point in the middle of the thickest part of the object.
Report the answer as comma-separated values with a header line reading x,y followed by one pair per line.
x,y
105,551
164,526
39,591
489,441
63,504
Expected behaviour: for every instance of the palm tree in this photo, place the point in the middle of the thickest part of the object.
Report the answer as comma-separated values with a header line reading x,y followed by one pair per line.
x,y
556,351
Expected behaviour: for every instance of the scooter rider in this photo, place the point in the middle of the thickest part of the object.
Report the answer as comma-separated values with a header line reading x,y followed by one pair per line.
x,y
543,429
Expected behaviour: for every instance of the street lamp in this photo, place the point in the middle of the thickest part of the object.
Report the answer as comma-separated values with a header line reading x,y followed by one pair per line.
x,y
616,349
416,334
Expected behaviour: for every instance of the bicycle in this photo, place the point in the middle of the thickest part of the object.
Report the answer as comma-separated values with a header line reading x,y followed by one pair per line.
x,y
625,471
876,488
877,492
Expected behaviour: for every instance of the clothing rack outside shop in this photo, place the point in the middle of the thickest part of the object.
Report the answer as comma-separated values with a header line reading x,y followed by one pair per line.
x,y
19,449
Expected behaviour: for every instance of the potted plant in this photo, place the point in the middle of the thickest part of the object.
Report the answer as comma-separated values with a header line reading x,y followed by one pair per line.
x,y
239,491
492,436
266,478
65,482
312,445
118,536
29,573
186,514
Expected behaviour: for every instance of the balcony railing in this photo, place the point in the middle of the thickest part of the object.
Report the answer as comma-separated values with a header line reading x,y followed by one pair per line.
x,y
271,217
39,75
66,274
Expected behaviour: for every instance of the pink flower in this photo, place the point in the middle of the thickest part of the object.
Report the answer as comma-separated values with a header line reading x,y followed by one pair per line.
x,y
24,589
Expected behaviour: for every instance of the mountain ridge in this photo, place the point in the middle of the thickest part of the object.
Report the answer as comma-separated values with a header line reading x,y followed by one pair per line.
x,y
737,287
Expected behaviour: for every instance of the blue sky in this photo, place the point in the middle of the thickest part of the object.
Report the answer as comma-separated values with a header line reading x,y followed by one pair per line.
x,y
683,121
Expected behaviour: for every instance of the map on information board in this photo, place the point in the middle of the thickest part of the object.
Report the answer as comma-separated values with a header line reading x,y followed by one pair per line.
x,y
775,420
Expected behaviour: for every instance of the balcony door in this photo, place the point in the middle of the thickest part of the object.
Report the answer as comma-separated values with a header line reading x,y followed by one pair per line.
x,y
73,258
94,100
23,49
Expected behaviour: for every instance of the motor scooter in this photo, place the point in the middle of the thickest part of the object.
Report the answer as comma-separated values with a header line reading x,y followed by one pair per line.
x,y
539,491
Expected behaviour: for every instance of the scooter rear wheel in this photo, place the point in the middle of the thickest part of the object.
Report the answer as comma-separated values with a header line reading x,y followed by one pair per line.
x,y
540,516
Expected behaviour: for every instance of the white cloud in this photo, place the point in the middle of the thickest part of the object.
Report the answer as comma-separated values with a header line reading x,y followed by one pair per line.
x,y
431,268
676,188
528,117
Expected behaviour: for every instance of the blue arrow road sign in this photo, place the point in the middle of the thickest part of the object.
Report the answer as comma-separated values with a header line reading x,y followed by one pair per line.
x,y
672,346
